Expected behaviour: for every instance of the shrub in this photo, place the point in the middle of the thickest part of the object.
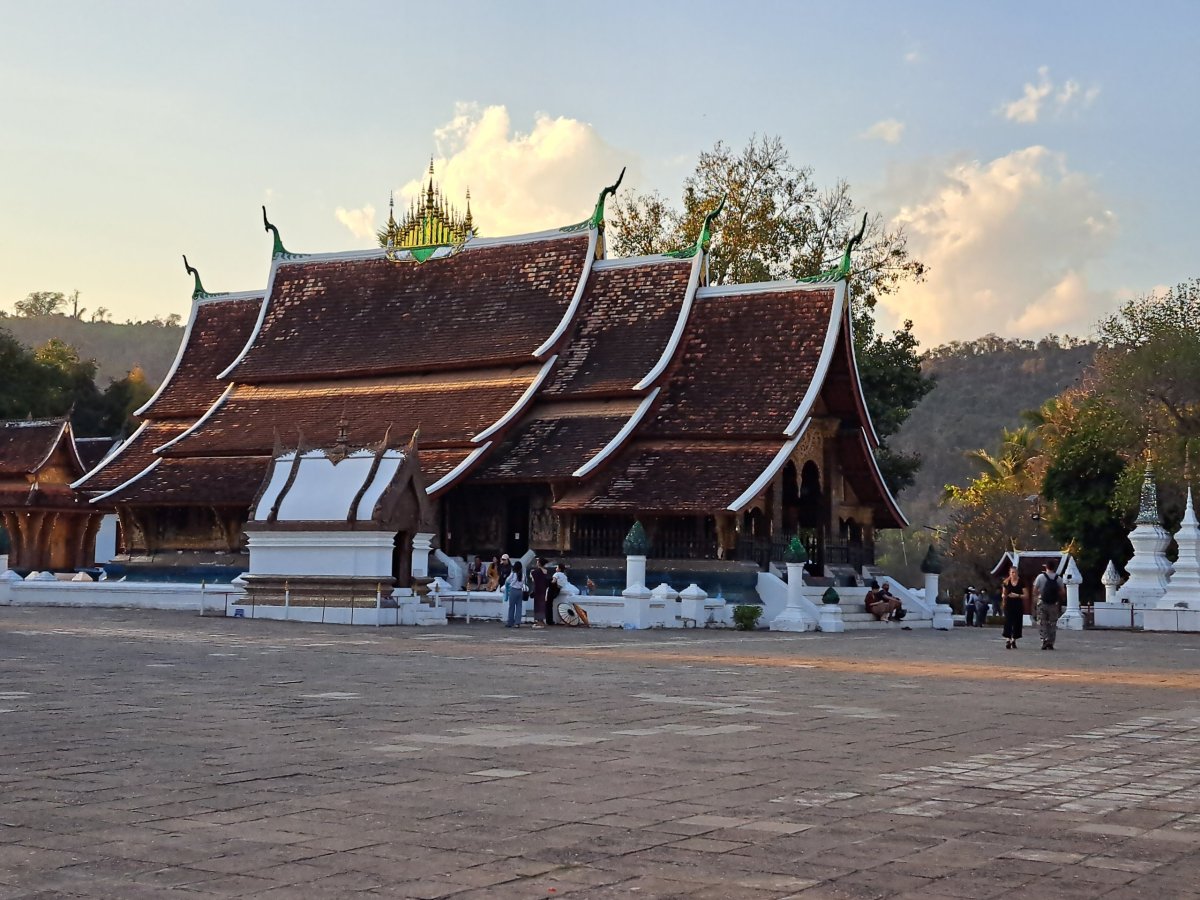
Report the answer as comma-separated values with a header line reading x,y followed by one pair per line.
x,y
745,616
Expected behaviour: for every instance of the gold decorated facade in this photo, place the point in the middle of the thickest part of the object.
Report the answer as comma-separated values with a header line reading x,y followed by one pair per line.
x,y
432,221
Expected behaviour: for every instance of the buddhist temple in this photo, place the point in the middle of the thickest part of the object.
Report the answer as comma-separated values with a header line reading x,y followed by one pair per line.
x,y
558,396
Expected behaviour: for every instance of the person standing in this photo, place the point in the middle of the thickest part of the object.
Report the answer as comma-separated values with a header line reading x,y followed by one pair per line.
x,y
1012,597
539,582
1048,590
969,607
514,593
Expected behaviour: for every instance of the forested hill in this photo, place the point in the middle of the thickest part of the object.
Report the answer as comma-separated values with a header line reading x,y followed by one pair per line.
x,y
982,387
116,348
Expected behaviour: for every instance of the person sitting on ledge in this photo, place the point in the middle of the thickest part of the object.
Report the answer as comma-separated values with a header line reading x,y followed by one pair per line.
x,y
881,604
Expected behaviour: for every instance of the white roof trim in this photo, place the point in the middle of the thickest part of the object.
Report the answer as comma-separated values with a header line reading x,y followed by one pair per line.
x,y
520,405
204,418
113,454
822,370
883,482
258,323
612,446
765,287
569,315
872,435
457,470
187,334
120,487
680,324
760,483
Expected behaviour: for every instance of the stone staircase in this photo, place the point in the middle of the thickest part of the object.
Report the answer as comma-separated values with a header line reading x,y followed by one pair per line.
x,y
862,621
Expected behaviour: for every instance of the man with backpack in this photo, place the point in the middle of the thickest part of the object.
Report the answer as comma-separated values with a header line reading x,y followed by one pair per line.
x,y
1048,589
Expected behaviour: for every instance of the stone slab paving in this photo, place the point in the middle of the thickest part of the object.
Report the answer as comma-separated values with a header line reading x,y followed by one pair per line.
x,y
162,754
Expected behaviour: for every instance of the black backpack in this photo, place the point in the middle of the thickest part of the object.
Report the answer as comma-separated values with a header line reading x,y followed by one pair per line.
x,y
1051,590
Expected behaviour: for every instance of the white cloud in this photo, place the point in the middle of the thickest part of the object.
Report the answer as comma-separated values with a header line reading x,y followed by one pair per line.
x,y
1008,244
1029,106
361,222
520,182
913,56
888,130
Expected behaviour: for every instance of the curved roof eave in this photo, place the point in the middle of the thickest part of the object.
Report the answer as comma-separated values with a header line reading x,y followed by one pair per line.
x,y
760,483
113,454
187,334
217,404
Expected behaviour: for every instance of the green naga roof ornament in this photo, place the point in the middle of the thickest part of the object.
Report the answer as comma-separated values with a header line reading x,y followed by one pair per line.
x,y
597,219
278,251
842,270
704,239
198,291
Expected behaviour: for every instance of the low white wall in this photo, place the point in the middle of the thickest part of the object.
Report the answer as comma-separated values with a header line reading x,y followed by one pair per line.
x,y
119,595
1171,619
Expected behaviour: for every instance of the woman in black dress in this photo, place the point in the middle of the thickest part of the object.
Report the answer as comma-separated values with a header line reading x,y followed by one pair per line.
x,y
1013,595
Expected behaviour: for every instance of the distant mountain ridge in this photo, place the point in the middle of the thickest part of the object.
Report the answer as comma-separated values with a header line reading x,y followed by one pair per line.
x,y
115,348
983,386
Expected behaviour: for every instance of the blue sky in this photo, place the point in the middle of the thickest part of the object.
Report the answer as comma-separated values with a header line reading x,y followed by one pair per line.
x,y
1040,156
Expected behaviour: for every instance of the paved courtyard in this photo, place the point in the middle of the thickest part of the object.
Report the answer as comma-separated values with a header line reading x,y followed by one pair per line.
x,y
147,754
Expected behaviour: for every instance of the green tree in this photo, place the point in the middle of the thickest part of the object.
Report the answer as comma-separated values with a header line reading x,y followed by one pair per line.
x,y
120,399
777,223
41,303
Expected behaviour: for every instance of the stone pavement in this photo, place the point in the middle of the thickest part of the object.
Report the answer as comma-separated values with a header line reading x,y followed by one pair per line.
x,y
153,754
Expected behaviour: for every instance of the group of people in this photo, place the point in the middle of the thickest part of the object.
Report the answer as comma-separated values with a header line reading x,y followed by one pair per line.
x,y
508,575
884,605
1048,595
975,607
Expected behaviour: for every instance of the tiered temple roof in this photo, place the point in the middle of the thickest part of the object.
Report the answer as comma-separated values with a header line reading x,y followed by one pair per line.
x,y
216,332
627,383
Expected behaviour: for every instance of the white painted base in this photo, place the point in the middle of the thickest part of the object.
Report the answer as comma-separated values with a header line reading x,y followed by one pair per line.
x,y
831,619
943,617
1071,620
292,554
1171,619
792,619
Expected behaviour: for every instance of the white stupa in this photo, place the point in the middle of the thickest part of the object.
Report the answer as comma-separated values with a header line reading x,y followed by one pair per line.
x,y
1149,569
1185,583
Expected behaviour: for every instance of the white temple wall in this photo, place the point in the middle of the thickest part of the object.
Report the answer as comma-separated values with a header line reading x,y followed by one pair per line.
x,y
359,554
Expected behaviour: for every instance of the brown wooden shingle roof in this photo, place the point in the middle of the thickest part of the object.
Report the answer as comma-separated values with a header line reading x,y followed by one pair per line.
x,y
484,306
626,319
449,411
746,362
218,332
551,447
24,445
223,481
133,456
673,477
